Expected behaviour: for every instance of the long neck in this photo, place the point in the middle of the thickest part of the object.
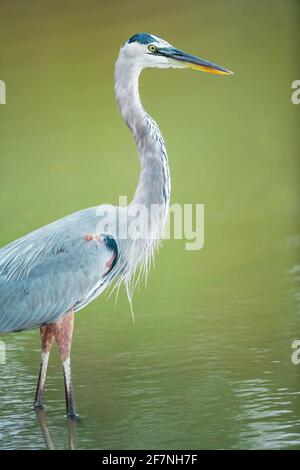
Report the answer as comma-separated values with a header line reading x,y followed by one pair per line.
x,y
154,182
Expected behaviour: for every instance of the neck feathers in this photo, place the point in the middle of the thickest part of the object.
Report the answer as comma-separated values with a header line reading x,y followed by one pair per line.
x,y
154,182
153,189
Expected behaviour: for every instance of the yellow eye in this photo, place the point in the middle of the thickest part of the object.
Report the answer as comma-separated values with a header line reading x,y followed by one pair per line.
x,y
152,48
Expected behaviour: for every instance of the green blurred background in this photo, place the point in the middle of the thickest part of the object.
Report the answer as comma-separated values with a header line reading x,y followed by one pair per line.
x,y
208,362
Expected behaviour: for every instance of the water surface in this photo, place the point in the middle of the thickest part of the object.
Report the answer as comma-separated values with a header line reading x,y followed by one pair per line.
x,y
208,362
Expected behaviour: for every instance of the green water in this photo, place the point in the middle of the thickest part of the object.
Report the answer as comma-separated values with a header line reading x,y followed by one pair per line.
x,y
208,362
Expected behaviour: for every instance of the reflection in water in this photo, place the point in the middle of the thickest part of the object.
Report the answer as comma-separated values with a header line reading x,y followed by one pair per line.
x,y
47,437
43,424
72,433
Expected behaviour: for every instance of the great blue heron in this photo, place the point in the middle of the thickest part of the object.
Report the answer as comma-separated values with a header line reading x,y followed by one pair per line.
x,y
56,270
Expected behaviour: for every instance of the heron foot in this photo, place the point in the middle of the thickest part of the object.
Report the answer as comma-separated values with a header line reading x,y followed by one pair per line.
x,y
38,405
72,415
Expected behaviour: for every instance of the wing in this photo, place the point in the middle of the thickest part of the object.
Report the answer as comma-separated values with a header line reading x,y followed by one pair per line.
x,y
51,270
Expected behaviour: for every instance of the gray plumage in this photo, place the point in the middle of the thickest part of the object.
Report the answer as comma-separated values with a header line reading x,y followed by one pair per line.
x,y
56,269
53,269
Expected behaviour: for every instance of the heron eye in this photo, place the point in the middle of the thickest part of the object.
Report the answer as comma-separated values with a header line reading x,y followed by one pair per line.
x,y
152,48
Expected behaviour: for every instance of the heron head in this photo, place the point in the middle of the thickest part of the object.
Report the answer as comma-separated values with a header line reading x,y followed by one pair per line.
x,y
147,50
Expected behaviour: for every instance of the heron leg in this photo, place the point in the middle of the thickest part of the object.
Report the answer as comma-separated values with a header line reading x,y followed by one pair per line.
x,y
47,338
63,331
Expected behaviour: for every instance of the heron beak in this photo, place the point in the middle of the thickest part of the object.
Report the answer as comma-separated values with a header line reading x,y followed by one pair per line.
x,y
193,62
